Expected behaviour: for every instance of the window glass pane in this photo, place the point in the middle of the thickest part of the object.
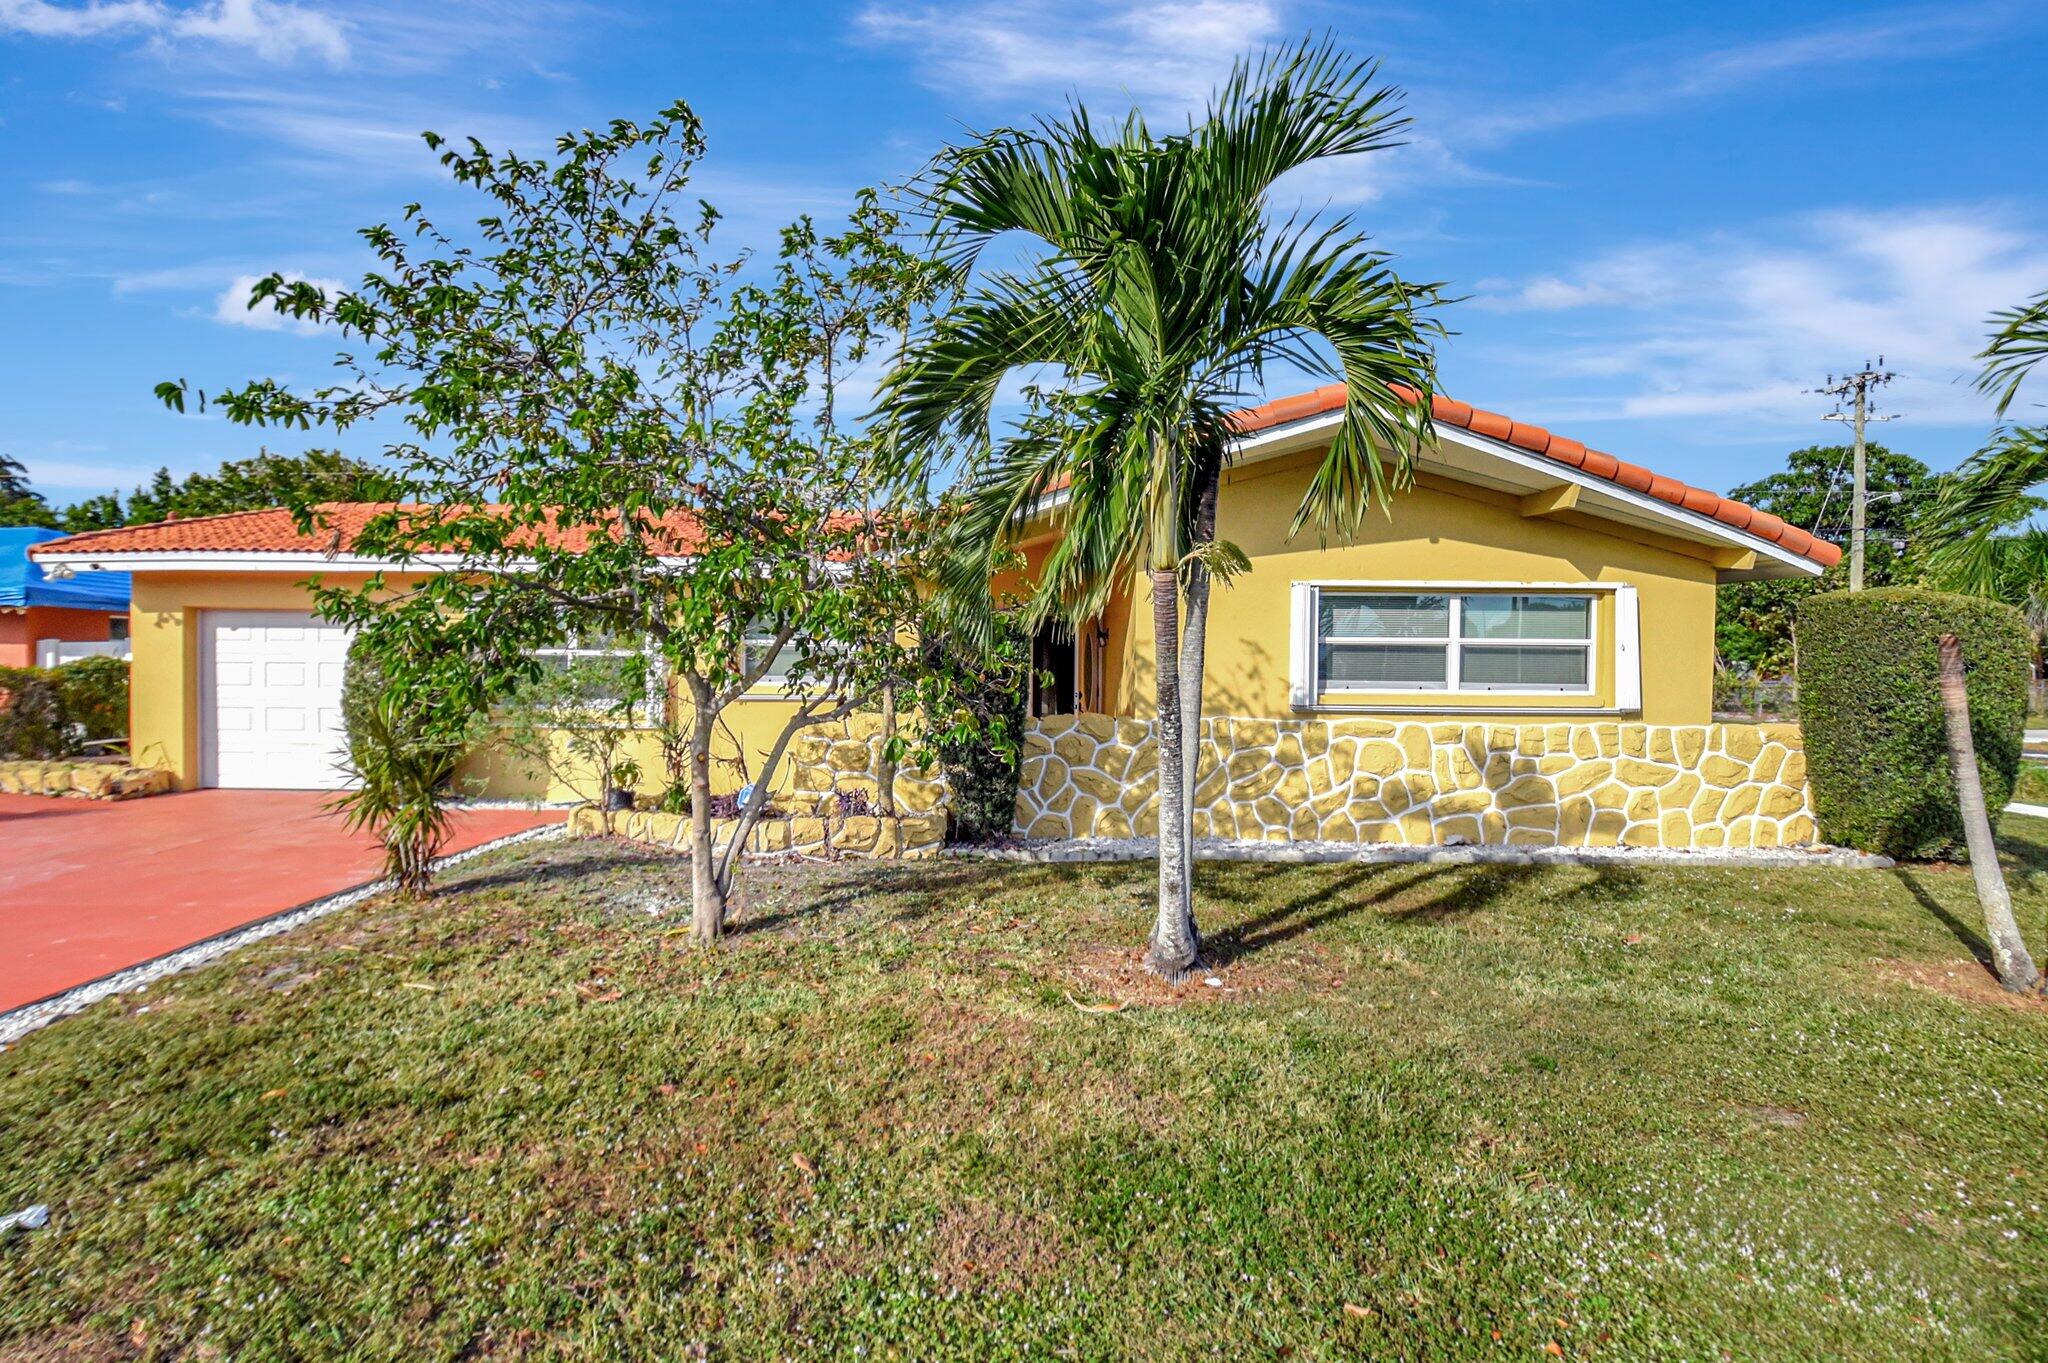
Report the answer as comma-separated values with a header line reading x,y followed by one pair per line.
x,y
1354,616
1528,617
778,669
1390,666
1494,665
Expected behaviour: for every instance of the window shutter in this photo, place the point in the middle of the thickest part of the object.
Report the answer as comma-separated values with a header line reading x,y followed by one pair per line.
x,y
1628,652
1301,653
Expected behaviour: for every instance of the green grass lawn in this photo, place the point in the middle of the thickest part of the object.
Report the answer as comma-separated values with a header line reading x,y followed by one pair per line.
x,y
2032,785
1432,1113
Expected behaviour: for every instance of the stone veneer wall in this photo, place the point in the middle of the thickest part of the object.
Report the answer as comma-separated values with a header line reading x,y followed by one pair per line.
x,y
832,759
913,835
89,780
1369,780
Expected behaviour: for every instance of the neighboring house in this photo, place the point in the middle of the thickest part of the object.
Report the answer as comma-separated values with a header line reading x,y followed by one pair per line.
x,y
48,620
1523,650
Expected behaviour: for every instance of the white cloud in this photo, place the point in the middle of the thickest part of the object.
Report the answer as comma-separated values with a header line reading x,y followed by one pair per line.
x,y
1741,324
1165,54
1653,82
232,308
273,30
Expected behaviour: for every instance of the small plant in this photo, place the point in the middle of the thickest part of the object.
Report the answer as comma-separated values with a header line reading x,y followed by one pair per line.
x,y
403,750
856,804
570,726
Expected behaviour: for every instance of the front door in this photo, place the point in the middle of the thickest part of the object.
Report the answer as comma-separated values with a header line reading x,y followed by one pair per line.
x,y
1055,672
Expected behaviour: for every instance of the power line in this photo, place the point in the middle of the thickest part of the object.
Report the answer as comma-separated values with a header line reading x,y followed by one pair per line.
x,y
1855,390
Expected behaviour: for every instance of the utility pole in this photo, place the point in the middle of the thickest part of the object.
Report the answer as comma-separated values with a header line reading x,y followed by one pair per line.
x,y
1855,390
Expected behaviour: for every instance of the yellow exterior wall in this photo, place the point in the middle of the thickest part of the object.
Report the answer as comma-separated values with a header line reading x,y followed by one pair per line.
x,y
164,726
1438,532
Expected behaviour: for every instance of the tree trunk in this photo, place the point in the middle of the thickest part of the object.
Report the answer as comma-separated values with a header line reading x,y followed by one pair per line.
x,y
1193,649
707,896
885,766
1175,945
2008,950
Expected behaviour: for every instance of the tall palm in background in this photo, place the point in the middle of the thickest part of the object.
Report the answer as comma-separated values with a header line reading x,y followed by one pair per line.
x,y
1156,294
1977,533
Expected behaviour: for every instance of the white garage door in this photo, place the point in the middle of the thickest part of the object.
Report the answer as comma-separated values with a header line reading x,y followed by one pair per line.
x,y
271,703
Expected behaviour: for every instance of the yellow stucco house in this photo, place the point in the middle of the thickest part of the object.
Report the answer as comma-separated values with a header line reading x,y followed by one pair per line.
x,y
1522,652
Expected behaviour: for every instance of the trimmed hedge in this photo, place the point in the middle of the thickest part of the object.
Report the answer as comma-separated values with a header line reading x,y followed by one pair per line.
x,y
1870,707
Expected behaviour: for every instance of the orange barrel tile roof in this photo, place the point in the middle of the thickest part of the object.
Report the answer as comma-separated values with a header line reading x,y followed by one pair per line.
x,y
1536,440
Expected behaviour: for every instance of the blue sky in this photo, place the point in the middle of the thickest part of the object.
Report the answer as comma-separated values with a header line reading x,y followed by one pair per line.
x,y
1668,222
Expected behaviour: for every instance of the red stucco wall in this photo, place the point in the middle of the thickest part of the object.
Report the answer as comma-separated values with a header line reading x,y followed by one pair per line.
x,y
19,630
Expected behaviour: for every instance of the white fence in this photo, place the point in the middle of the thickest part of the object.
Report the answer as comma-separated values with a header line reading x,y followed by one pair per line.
x,y
56,652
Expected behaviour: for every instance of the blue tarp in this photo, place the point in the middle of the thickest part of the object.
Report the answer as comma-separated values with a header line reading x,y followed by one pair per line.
x,y
23,583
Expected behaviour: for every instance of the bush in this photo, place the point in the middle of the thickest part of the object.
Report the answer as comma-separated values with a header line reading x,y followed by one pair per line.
x,y
95,696
402,754
32,714
1870,705
54,712
982,771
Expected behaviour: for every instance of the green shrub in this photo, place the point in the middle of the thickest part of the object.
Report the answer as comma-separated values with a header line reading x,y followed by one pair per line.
x,y
1870,706
95,695
55,711
402,756
981,771
32,721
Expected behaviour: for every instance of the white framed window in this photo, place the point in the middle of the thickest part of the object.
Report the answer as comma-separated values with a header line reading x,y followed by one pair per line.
x,y
1372,641
578,648
759,638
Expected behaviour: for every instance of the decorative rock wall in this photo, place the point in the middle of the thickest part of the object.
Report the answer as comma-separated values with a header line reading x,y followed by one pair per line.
x,y
1369,780
912,835
838,758
88,780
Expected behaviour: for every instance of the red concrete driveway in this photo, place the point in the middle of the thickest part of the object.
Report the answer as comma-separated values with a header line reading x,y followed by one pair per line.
x,y
89,887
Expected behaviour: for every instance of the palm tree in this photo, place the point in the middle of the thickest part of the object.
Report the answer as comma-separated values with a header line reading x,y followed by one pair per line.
x,y
1159,290
1971,527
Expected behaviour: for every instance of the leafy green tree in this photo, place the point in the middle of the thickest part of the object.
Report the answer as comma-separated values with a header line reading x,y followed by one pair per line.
x,y
265,480
613,432
1162,290
21,504
1753,623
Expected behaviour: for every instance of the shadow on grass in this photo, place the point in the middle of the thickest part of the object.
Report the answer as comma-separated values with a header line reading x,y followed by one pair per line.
x,y
1446,892
920,890
1972,941
564,867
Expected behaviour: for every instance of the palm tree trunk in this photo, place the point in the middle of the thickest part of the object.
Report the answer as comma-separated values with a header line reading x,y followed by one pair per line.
x,y
1175,945
2008,950
1193,649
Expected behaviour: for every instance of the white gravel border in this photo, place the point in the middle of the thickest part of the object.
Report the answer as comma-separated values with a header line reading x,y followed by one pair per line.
x,y
1063,850
32,1017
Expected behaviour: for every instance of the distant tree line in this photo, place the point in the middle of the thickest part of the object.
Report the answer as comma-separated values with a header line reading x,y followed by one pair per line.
x,y
238,485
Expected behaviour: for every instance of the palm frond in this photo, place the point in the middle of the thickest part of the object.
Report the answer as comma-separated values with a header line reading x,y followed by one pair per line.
x,y
2020,343
1976,505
